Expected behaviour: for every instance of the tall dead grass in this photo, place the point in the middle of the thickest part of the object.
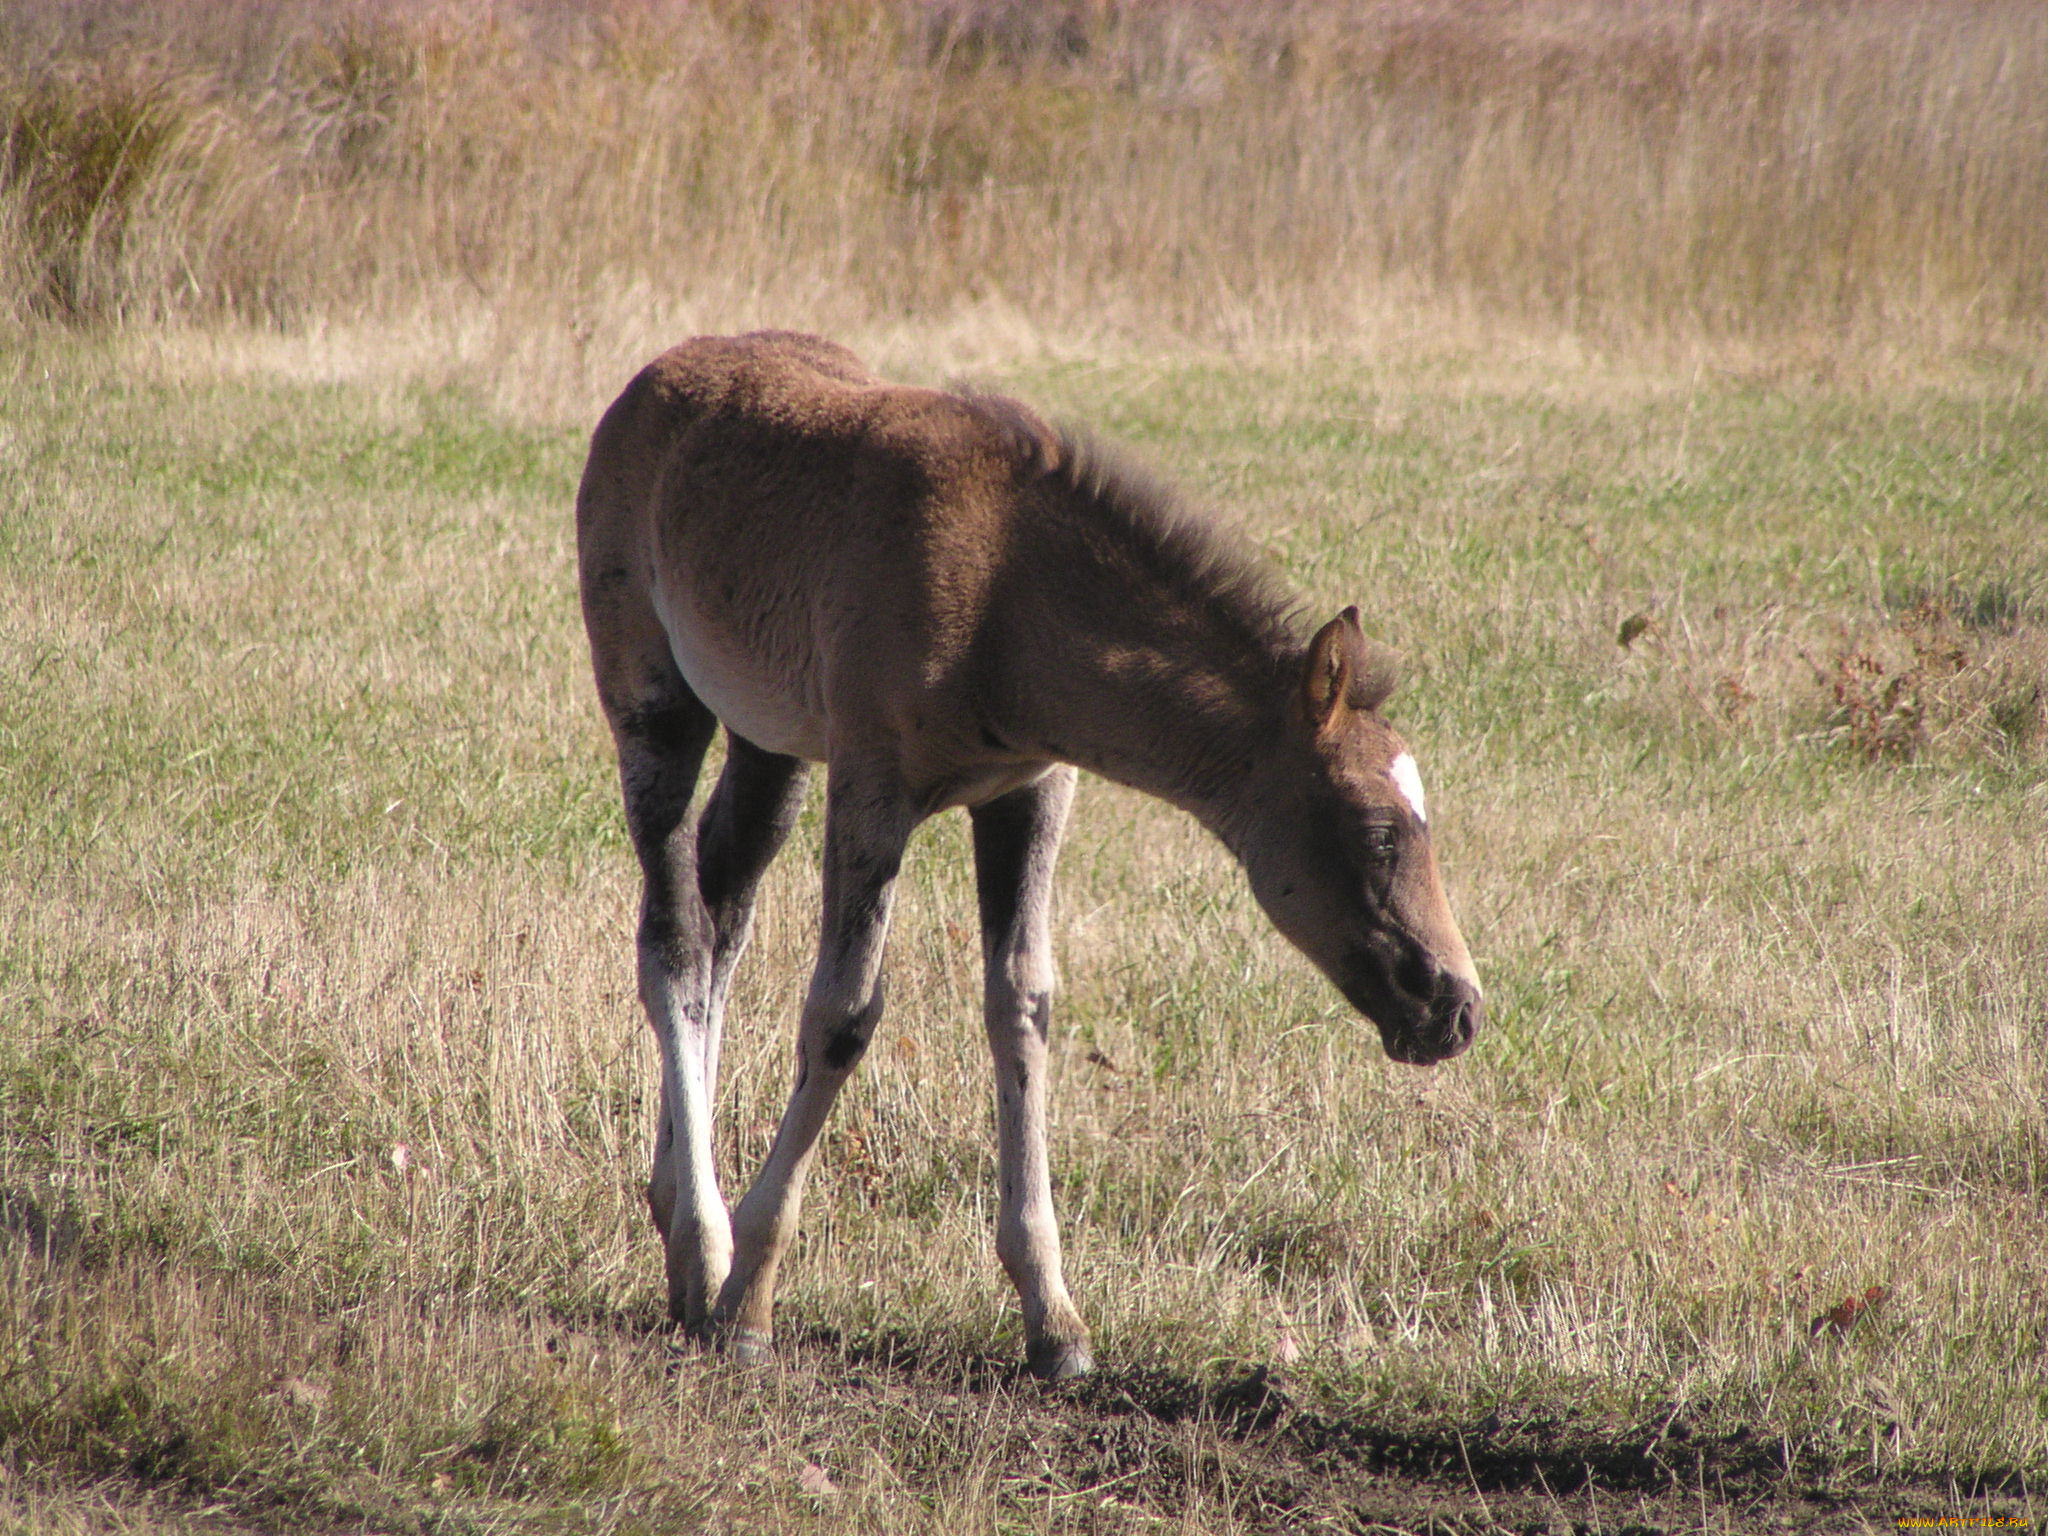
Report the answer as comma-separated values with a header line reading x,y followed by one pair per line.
x,y
1868,170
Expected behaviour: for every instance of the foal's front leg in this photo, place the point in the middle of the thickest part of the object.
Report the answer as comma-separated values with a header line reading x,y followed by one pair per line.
x,y
868,819
1016,841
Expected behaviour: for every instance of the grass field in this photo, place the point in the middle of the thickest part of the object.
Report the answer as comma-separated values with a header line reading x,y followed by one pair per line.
x,y
1717,544
313,855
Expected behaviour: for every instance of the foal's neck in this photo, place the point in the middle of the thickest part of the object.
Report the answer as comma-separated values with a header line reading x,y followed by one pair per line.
x,y
1177,721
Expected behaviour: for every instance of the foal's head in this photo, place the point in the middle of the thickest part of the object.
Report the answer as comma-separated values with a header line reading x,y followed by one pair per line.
x,y
1341,859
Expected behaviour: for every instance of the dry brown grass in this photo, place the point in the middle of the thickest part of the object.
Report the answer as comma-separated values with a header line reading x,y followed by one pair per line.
x,y
1817,176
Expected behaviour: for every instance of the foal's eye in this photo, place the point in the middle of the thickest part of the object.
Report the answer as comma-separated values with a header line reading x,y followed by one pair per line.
x,y
1380,841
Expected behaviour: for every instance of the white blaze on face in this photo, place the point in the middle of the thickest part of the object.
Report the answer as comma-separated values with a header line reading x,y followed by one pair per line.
x,y
1406,779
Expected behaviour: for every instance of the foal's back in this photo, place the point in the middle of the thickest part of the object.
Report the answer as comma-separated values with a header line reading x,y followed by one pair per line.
x,y
811,547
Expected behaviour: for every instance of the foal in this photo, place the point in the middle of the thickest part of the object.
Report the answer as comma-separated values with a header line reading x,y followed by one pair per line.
x,y
949,604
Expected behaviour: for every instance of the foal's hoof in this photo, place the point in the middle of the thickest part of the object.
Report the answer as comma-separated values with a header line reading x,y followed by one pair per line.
x,y
1057,1360
743,1346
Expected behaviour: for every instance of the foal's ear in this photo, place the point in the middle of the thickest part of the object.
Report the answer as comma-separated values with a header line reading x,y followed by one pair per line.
x,y
1375,669
1326,672
1345,671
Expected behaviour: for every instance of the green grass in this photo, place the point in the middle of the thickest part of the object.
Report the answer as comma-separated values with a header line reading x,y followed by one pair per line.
x,y
220,538
311,851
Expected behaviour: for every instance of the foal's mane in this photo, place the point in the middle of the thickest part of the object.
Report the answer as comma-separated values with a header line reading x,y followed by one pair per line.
x,y
1198,562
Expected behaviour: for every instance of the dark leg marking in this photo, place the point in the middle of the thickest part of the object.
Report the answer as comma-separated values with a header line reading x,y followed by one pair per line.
x,y
661,750
848,1040
669,725
866,879
1003,830
743,827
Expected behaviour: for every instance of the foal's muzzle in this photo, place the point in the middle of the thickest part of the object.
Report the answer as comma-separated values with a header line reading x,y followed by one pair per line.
x,y
1456,1014
1425,1029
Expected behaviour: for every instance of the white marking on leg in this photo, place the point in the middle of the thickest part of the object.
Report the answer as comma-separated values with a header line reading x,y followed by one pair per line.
x,y
1017,1013
1408,780
1027,1230
697,1237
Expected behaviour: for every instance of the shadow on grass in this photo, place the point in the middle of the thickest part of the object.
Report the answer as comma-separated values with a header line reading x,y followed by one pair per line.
x,y
1292,1437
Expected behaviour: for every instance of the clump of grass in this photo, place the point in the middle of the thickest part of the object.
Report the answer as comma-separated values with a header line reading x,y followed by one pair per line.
x,y
1890,689
79,156
1881,710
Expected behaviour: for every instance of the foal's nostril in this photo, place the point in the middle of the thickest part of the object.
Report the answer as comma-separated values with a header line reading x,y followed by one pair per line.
x,y
1457,1017
1467,1021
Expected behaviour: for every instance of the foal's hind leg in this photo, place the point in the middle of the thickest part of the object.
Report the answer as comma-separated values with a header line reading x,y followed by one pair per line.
x,y
744,826
1016,840
685,981
661,746
868,819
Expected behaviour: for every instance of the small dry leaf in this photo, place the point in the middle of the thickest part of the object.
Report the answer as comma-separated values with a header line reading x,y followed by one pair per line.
x,y
956,932
817,1482
1843,1316
401,1157
1101,1059
1288,1350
